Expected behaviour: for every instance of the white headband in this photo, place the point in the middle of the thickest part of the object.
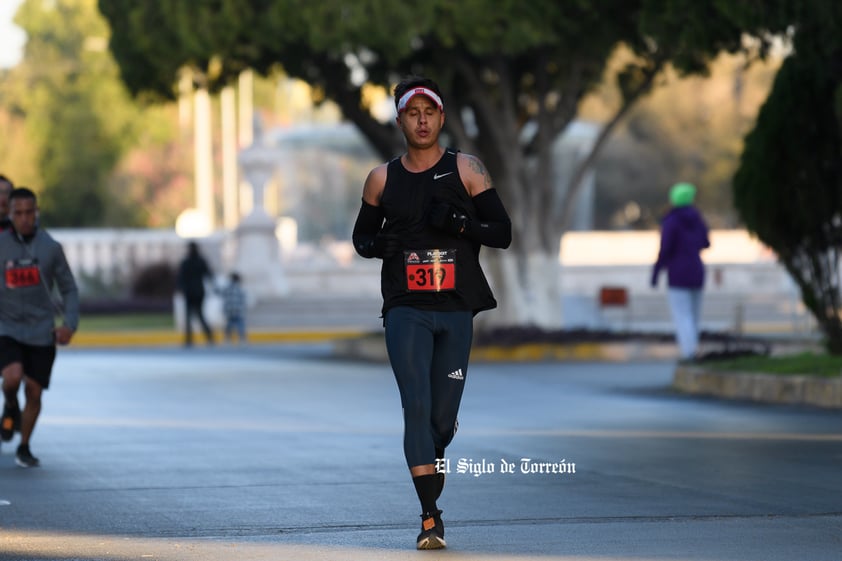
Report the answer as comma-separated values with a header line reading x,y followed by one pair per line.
x,y
419,91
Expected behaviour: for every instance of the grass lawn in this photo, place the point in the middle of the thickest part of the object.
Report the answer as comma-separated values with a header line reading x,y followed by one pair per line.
x,y
805,363
128,322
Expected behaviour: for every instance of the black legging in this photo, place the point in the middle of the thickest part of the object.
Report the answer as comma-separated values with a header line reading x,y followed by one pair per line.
x,y
429,354
194,308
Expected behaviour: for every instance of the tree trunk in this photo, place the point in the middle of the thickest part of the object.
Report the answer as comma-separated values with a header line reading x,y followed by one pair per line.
x,y
526,285
816,272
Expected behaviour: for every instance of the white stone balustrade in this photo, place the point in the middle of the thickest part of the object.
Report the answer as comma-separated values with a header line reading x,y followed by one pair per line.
x,y
114,256
744,282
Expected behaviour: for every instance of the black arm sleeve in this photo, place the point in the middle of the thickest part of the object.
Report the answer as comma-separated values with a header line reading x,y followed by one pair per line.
x,y
368,224
494,228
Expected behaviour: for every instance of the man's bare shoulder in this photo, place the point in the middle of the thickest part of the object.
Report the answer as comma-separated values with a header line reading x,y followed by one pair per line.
x,y
374,184
473,172
379,171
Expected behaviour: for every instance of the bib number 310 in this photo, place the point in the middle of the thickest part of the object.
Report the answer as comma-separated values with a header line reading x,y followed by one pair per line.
x,y
432,270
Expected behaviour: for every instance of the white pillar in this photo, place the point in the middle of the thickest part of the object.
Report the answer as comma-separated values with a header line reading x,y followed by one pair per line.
x,y
245,132
230,183
203,156
185,91
246,108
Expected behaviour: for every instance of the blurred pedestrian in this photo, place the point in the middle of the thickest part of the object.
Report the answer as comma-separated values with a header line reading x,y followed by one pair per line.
x,y
684,235
439,207
6,187
190,282
234,307
35,268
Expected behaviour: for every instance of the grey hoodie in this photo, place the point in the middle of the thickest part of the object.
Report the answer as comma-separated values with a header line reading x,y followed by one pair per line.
x,y
27,308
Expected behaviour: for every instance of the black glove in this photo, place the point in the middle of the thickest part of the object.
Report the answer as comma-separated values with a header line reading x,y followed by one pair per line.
x,y
387,245
382,245
448,218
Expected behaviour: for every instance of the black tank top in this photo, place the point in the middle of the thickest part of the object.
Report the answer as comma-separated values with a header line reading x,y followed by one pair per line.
x,y
406,277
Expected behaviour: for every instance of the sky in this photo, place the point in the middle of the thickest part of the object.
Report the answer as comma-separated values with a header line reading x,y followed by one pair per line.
x,y
12,37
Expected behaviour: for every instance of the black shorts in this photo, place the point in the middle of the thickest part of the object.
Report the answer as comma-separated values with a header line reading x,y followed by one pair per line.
x,y
37,361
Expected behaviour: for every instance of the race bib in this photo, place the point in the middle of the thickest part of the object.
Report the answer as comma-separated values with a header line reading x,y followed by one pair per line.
x,y
430,270
22,273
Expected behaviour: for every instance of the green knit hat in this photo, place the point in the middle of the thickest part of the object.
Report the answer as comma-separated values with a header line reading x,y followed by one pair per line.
x,y
682,194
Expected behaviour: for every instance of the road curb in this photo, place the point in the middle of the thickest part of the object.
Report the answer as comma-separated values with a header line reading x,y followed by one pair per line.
x,y
170,338
372,348
765,388
696,380
364,345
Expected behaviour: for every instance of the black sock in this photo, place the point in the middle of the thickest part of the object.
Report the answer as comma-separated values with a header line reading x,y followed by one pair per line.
x,y
426,486
11,397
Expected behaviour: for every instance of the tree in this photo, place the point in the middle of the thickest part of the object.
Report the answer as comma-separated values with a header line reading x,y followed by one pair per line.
x,y
513,74
77,119
788,189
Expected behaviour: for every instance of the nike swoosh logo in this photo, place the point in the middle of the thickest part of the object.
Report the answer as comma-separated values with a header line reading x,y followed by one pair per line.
x,y
440,175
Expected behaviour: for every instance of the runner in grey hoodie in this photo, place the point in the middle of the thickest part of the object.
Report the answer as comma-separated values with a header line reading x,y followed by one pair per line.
x,y
34,267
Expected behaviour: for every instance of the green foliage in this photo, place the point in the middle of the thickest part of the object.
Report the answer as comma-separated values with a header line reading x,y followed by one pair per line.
x,y
801,364
110,323
788,189
692,32
507,64
157,280
79,120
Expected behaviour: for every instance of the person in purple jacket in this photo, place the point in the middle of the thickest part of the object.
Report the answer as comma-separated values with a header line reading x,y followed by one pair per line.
x,y
684,235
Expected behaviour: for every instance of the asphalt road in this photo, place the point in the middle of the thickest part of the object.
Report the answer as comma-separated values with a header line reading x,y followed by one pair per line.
x,y
277,452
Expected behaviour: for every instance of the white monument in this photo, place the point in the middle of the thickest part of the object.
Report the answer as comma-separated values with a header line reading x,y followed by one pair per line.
x,y
257,252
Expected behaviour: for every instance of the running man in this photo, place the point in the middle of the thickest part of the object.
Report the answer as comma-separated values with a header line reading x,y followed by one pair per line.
x,y
426,214
34,265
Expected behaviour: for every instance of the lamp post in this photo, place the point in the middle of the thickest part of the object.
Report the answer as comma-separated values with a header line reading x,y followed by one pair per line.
x,y
257,253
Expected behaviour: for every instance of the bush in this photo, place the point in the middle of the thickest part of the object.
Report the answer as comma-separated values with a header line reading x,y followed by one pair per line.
x,y
156,281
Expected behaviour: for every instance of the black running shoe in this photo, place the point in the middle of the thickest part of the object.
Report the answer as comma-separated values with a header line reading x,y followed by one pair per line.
x,y
24,457
432,532
10,422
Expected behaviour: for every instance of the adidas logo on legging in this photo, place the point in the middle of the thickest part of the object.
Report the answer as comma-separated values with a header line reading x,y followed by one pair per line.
x,y
456,374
